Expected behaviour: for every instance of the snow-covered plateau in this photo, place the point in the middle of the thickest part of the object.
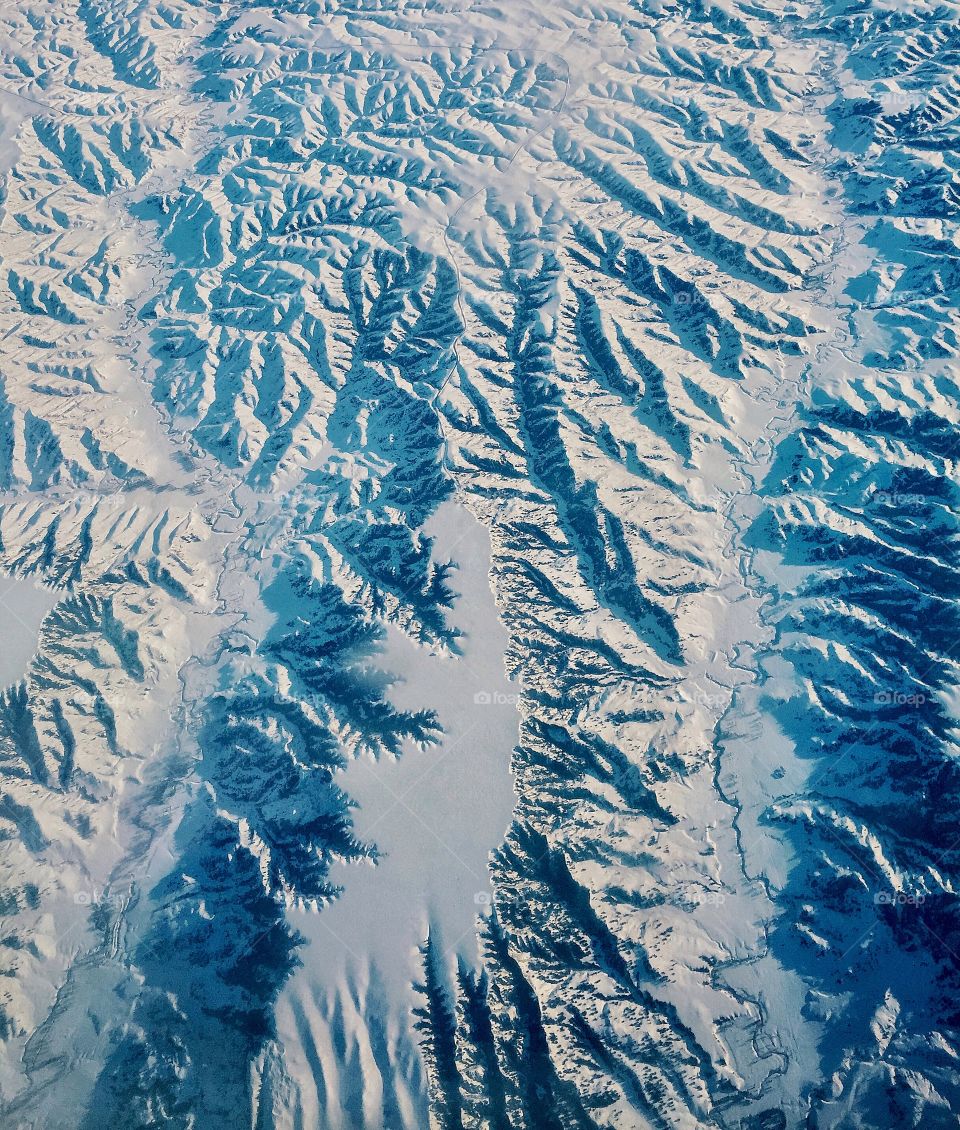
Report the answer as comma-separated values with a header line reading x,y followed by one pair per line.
x,y
479,589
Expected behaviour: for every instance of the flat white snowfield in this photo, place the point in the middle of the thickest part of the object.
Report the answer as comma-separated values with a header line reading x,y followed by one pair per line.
x,y
478,497
435,815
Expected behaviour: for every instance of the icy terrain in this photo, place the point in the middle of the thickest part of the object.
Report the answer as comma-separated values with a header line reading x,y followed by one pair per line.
x,y
479,565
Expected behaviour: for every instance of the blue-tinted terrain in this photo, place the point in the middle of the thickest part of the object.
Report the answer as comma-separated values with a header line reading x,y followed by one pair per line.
x,y
479,565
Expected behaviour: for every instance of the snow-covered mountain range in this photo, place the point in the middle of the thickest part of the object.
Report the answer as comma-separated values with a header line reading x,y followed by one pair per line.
x,y
478,492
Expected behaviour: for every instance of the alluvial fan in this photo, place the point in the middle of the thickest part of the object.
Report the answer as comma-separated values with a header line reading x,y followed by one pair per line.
x,y
478,493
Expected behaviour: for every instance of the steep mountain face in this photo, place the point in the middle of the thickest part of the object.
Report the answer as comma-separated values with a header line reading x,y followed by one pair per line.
x,y
664,296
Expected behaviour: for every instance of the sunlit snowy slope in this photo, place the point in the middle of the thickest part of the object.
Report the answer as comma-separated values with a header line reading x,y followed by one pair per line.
x,y
479,565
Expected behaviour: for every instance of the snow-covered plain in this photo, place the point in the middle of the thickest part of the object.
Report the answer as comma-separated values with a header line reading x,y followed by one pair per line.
x,y
435,815
24,604
514,445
